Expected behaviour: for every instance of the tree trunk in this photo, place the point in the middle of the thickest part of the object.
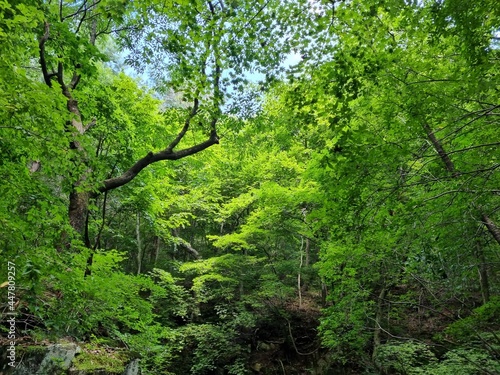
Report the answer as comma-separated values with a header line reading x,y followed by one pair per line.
x,y
324,293
78,206
483,273
377,333
450,167
156,250
139,244
299,285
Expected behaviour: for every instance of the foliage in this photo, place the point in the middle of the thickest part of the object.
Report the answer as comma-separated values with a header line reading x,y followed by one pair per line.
x,y
474,328
417,358
404,358
362,181
465,361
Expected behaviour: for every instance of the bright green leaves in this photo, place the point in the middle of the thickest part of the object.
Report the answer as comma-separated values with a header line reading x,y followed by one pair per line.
x,y
205,49
379,113
475,27
31,137
128,123
405,358
217,278
376,161
418,358
14,16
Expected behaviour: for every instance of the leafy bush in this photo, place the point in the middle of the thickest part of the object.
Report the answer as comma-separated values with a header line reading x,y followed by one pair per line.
x,y
485,317
465,362
412,358
134,309
407,358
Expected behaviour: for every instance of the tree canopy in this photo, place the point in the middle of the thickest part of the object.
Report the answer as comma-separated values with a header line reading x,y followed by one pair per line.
x,y
343,212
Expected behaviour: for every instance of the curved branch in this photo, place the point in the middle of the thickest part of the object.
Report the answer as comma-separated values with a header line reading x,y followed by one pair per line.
x,y
150,158
60,78
74,81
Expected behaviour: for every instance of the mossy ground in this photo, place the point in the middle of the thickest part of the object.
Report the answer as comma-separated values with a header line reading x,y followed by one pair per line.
x,y
94,357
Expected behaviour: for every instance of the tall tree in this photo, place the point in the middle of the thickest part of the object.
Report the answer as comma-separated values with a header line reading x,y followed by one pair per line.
x,y
204,45
401,116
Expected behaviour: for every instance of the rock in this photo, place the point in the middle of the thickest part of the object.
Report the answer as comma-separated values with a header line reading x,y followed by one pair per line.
x,y
27,361
256,366
132,368
58,359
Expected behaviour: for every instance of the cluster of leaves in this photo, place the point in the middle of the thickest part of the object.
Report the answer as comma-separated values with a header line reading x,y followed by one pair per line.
x,y
418,358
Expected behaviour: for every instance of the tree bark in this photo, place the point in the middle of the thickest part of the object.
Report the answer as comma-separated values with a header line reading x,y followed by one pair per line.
x,y
78,204
377,333
483,273
450,167
492,228
191,250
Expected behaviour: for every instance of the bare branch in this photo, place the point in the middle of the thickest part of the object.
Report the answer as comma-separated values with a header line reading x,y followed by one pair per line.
x,y
254,16
466,149
186,245
83,8
96,33
112,31
89,125
60,76
60,11
212,9
450,167
431,81
493,191
82,19
480,114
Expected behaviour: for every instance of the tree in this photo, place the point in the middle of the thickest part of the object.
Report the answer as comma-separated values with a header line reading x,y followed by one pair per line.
x,y
199,41
396,104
